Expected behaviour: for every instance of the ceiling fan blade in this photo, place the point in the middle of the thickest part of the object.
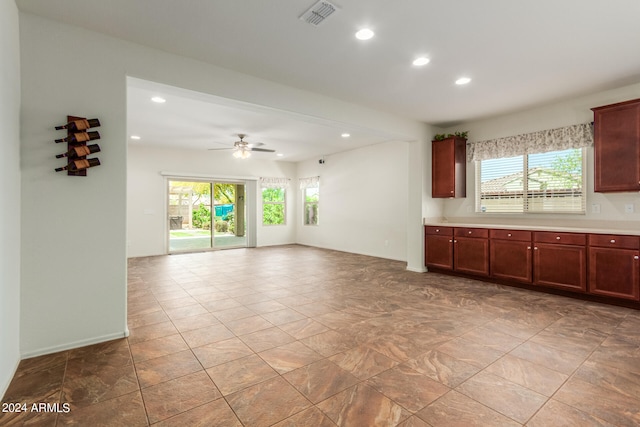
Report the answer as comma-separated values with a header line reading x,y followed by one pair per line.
x,y
217,149
265,150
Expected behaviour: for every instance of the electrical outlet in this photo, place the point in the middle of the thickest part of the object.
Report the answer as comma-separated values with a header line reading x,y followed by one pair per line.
x,y
595,208
628,208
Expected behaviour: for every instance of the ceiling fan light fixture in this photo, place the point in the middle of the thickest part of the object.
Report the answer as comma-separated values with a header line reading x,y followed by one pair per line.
x,y
242,154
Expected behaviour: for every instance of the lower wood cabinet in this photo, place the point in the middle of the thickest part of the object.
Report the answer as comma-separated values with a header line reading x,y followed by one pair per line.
x,y
597,264
560,260
471,251
438,250
510,255
614,266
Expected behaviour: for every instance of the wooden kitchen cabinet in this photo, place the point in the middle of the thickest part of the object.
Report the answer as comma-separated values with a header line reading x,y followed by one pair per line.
x,y
438,250
614,266
510,255
449,167
471,251
617,147
560,260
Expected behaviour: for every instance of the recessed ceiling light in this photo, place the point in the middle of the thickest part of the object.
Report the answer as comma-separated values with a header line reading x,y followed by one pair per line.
x,y
279,154
136,137
158,99
345,135
463,80
364,34
418,62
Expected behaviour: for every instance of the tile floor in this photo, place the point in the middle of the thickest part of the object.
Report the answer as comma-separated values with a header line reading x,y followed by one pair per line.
x,y
299,336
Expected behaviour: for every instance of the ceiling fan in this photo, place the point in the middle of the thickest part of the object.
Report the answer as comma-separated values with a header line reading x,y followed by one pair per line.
x,y
242,149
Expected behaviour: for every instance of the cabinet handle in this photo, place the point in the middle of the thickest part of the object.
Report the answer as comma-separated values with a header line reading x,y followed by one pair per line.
x,y
557,237
450,241
509,235
613,240
635,257
470,232
528,248
455,241
451,191
535,248
437,230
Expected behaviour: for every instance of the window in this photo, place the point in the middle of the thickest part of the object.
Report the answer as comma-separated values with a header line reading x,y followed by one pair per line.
x,y
552,183
311,199
273,206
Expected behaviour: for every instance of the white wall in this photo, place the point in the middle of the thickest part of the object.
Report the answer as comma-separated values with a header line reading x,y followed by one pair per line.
x,y
363,201
147,188
565,113
73,229
10,201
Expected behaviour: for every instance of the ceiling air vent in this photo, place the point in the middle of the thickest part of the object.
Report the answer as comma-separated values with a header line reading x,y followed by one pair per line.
x,y
318,12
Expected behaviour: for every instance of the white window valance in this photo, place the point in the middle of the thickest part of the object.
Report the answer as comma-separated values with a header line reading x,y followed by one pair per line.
x,y
311,182
564,138
274,182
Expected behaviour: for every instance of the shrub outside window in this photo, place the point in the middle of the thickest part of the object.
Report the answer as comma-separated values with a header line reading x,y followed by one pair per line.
x,y
273,206
311,200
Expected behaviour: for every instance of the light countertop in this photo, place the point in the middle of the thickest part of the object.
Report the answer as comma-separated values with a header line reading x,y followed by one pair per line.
x,y
592,227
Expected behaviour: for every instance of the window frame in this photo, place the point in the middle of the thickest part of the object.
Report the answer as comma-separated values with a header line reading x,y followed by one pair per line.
x,y
283,203
527,193
309,204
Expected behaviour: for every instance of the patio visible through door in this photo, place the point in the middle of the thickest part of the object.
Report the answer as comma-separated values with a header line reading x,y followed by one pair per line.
x,y
197,221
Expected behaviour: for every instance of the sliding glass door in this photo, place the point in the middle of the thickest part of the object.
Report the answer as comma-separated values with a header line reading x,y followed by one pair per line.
x,y
229,215
206,215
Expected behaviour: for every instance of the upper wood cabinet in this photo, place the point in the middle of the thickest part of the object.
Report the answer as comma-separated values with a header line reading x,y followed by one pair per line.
x,y
617,147
449,167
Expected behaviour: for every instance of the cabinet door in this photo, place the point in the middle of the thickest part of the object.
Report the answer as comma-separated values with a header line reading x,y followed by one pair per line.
x,y
617,147
471,255
560,266
510,260
439,251
448,167
614,272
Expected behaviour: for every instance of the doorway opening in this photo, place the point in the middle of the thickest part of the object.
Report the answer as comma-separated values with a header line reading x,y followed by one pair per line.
x,y
206,215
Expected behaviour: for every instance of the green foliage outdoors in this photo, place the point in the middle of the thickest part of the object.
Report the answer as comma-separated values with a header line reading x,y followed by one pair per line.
x,y
273,206
222,226
272,214
224,193
201,218
311,195
570,166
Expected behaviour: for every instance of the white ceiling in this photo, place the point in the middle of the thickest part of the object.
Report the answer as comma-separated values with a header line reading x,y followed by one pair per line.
x,y
519,54
193,120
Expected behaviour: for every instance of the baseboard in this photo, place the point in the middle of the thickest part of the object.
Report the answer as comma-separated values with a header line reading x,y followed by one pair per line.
x,y
417,270
75,344
5,387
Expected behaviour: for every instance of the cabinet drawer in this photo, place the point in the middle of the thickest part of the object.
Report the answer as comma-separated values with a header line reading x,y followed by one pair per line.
x,y
482,233
442,231
560,238
516,235
614,241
